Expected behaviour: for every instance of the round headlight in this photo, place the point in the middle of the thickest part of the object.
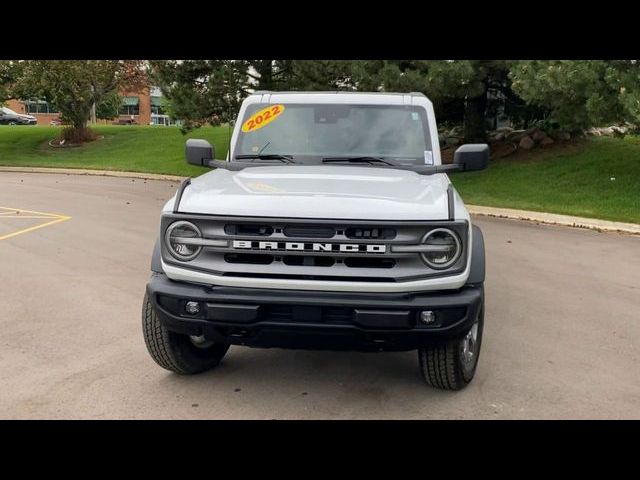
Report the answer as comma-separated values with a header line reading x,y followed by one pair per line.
x,y
180,238
446,248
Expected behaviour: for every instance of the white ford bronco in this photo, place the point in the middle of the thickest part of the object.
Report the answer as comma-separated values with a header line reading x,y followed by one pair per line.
x,y
331,224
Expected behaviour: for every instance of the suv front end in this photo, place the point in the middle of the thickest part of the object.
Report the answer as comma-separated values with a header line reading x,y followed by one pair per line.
x,y
374,257
372,286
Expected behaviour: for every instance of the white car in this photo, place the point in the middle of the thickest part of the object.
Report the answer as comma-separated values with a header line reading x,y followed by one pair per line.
x,y
331,224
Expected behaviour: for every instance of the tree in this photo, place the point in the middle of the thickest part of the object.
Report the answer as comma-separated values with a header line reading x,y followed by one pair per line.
x,y
448,83
201,90
9,72
471,80
572,94
74,86
580,93
109,106
269,74
320,75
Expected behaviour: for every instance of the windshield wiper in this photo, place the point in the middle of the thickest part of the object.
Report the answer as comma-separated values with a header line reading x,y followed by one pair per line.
x,y
377,162
362,159
265,156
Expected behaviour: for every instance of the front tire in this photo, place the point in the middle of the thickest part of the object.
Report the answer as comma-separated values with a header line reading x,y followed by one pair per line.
x,y
176,352
452,365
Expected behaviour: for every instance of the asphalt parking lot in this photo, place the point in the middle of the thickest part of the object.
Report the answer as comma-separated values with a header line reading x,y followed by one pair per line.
x,y
562,333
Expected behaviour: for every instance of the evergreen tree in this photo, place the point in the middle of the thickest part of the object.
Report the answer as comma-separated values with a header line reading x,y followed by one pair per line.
x,y
580,93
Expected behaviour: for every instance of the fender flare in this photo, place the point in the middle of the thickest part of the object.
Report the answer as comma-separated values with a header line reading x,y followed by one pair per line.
x,y
477,273
156,258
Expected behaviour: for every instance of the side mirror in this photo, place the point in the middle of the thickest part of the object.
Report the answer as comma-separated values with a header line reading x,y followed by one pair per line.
x,y
199,152
472,156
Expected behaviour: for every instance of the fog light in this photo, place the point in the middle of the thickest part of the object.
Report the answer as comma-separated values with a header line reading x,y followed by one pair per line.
x,y
192,308
427,317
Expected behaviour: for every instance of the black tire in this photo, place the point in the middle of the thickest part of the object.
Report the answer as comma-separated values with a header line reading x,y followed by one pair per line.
x,y
174,351
442,365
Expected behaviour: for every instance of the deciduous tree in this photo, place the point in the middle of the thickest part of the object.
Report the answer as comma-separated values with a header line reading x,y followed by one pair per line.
x,y
9,72
74,86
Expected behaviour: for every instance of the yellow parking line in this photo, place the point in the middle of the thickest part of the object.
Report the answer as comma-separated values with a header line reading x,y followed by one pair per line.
x,y
17,213
60,218
25,216
45,214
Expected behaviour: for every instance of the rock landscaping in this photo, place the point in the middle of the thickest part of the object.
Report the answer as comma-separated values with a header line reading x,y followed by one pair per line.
x,y
506,140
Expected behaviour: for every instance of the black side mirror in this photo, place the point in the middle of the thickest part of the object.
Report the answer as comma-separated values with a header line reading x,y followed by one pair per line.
x,y
199,152
472,156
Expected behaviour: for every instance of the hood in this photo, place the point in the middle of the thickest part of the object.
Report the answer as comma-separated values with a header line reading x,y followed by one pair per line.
x,y
322,191
26,117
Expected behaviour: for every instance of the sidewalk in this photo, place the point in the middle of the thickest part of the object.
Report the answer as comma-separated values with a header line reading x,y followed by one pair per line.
x,y
555,219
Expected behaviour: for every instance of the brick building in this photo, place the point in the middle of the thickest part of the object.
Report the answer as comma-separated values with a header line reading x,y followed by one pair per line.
x,y
144,108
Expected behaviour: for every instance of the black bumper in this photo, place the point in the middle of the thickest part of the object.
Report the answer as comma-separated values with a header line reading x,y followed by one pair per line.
x,y
314,320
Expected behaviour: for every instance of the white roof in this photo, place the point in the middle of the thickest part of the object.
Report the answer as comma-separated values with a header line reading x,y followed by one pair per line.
x,y
365,98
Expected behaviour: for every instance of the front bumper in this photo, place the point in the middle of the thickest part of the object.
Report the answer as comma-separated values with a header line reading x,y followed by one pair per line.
x,y
314,320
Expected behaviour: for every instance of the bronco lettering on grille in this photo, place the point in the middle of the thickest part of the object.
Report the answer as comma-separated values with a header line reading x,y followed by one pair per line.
x,y
310,247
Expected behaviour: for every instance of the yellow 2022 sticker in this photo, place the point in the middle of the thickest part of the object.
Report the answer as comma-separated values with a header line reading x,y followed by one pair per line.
x,y
262,118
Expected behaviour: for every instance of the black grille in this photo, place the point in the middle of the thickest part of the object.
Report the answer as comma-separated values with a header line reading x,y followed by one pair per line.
x,y
294,313
249,230
309,277
308,261
249,258
370,233
309,231
369,262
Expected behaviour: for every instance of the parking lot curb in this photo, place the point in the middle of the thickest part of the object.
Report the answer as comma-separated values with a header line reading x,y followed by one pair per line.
x,y
104,173
556,219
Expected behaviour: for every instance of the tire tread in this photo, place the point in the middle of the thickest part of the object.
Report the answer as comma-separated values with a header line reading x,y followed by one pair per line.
x,y
156,339
440,364
173,351
438,367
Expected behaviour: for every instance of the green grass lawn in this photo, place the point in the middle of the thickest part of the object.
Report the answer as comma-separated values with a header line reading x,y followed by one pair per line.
x,y
129,148
569,179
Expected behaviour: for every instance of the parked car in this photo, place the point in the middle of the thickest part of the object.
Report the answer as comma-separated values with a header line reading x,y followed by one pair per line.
x,y
9,117
332,224
125,121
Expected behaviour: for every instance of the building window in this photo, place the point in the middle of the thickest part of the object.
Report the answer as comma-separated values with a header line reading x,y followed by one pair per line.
x,y
39,106
130,106
129,110
156,106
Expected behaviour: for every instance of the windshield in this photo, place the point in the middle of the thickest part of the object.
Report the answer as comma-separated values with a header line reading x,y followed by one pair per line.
x,y
7,111
309,133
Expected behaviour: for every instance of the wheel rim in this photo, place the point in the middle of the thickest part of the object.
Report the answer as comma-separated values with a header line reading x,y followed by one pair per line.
x,y
468,350
200,342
